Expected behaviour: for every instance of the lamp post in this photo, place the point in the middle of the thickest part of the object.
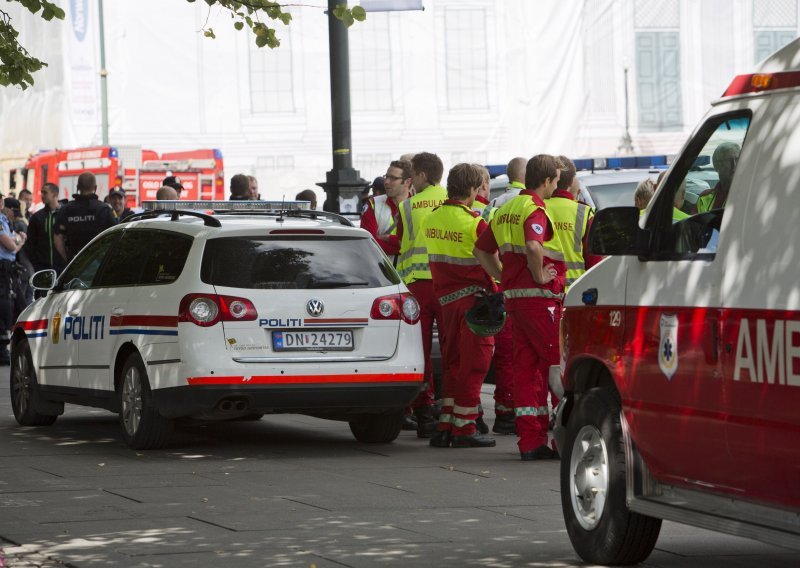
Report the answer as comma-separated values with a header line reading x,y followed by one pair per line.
x,y
342,181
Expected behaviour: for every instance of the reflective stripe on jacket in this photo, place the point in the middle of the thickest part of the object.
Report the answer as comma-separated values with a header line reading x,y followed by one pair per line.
x,y
412,263
570,220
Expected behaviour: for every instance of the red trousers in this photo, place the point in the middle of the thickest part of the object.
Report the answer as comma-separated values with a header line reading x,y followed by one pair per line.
x,y
466,359
535,328
504,370
430,310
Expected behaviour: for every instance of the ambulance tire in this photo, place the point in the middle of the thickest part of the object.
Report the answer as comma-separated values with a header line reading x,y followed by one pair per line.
x,y
602,530
377,428
25,389
143,428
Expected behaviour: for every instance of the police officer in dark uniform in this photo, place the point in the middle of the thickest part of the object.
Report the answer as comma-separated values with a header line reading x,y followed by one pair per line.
x,y
82,219
10,245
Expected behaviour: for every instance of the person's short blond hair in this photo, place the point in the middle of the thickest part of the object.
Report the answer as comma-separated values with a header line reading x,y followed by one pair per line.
x,y
644,192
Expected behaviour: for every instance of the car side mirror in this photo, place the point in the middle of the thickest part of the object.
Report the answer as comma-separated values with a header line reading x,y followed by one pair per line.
x,y
44,279
615,232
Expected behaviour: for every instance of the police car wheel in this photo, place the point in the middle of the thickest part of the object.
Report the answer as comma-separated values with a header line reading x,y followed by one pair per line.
x,y
24,389
593,484
143,428
377,428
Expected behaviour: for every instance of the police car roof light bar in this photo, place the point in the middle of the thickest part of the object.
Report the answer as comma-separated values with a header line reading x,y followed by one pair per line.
x,y
298,213
224,206
208,220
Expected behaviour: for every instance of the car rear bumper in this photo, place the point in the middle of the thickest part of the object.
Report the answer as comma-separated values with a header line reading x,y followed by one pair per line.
x,y
312,398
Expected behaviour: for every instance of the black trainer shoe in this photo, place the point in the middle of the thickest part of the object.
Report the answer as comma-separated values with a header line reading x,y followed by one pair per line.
x,y
441,439
409,422
481,426
543,452
477,440
504,424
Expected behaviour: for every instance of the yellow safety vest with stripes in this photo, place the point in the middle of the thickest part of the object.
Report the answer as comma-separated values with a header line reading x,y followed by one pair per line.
x,y
508,227
706,202
413,261
570,220
450,234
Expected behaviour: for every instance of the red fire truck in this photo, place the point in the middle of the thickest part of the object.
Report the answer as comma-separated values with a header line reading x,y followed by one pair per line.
x,y
138,171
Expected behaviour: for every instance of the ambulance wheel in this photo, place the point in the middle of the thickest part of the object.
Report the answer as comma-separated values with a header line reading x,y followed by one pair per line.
x,y
377,428
143,428
593,483
25,389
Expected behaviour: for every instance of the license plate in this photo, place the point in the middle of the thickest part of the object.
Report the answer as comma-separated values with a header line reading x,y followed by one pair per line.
x,y
312,340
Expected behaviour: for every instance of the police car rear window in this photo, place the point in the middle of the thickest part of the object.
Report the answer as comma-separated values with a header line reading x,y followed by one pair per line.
x,y
296,263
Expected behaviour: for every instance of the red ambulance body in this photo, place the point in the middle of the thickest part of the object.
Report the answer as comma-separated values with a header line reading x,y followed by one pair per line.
x,y
680,365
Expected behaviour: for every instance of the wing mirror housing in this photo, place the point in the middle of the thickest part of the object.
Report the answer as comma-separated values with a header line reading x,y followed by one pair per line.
x,y
615,232
44,279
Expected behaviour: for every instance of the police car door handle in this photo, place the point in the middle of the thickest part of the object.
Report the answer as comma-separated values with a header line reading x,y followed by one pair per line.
x,y
73,312
117,311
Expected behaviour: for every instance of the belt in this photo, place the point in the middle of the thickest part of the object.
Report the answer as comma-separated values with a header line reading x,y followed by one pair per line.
x,y
532,293
457,295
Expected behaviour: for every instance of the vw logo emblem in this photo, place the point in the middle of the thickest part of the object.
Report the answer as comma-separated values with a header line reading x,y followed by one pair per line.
x,y
315,307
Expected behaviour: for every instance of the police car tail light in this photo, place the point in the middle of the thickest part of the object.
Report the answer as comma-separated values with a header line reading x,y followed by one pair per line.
x,y
199,309
237,309
396,307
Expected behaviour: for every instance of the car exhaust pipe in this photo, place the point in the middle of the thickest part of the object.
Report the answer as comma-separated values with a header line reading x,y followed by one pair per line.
x,y
240,405
226,405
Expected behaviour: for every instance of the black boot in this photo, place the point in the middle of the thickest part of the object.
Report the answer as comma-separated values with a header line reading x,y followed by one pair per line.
x,y
504,423
477,440
441,439
426,425
481,425
543,452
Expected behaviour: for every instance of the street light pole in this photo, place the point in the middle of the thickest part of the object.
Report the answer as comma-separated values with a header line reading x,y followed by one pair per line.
x,y
103,74
342,180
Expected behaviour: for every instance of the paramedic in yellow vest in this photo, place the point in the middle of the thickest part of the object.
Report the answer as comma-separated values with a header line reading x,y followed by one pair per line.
x,y
380,213
532,273
571,221
414,269
450,234
724,160
680,198
515,170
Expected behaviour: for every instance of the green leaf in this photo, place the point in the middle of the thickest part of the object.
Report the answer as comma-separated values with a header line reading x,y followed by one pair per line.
x,y
340,11
359,13
286,17
261,40
209,33
238,25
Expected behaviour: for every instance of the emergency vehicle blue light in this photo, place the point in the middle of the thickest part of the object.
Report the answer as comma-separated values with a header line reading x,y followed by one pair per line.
x,y
217,154
112,152
496,170
584,164
701,161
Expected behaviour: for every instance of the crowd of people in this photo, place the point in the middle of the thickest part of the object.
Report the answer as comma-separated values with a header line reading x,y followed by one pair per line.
x,y
492,276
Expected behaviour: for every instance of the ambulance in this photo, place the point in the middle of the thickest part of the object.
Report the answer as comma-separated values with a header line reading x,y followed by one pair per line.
x,y
680,352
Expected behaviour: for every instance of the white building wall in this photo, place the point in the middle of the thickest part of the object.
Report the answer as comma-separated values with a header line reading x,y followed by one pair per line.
x,y
477,80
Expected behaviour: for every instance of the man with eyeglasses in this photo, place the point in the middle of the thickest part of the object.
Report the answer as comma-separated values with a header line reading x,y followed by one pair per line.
x,y
379,216
724,160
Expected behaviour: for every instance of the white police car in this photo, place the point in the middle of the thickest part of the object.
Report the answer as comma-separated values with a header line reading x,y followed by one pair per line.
x,y
217,315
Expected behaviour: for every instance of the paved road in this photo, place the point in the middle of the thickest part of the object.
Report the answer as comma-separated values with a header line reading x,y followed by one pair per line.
x,y
292,491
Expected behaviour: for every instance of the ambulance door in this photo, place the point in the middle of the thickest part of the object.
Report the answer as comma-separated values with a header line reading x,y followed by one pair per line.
x,y
71,324
761,306
675,390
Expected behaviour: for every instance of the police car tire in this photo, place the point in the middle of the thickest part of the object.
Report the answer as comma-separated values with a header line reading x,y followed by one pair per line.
x,y
153,430
377,428
620,537
25,408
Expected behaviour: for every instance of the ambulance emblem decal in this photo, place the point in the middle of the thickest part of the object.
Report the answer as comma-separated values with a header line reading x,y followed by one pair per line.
x,y
668,346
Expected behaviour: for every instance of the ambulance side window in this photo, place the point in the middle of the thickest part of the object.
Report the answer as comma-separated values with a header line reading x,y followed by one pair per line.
x,y
687,218
81,273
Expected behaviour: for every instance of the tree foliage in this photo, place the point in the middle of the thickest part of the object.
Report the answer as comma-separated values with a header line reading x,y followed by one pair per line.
x,y
17,66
